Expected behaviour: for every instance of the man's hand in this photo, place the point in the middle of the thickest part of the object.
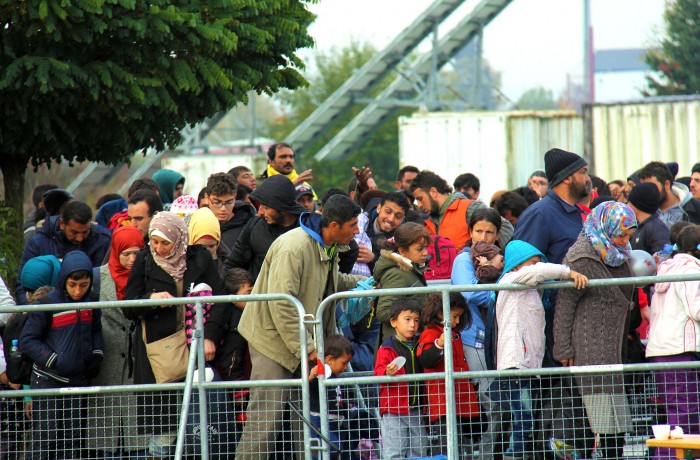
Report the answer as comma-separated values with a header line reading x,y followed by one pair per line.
x,y
365,255
304,177
209,350
363,175
313,356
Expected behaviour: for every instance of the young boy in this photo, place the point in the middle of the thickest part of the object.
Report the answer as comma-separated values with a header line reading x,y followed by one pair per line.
x,y
66,347
521,338
402,428
231,355
338,353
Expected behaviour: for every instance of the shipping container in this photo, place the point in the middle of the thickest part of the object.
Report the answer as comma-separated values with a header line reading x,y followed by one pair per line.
x,y
622,137
501,148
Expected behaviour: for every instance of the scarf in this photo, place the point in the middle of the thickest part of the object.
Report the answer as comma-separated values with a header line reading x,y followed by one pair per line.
x,y
606,221
123,238
203,223
173,227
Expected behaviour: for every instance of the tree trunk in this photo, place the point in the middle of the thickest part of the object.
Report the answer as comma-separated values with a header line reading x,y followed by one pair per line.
x,y
13,171
11,241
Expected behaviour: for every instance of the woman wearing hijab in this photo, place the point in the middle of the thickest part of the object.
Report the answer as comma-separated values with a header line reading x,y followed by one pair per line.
x,y
590,325
168,268
205,230
111,421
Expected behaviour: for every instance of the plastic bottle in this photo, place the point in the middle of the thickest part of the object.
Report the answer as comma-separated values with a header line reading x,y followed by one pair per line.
x,y
13,366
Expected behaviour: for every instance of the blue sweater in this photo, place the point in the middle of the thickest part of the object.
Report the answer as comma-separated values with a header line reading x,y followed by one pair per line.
x,y
463,272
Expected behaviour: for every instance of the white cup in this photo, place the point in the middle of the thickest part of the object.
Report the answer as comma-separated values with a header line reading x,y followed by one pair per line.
x,y
661,431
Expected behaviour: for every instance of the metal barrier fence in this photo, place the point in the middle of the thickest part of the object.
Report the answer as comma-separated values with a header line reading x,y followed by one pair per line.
x,y
552,423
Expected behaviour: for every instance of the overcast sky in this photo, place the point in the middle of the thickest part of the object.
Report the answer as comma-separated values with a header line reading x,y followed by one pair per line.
x,y
532,42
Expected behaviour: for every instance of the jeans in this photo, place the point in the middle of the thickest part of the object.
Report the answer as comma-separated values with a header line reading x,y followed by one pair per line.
x,y
338,433
515,393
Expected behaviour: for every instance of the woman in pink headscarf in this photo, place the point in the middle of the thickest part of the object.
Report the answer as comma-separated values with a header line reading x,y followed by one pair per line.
x,y
168,268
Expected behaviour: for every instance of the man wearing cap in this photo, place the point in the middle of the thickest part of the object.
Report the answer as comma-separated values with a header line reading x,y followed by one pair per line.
x,y
278,213
553,224
305,197
652,234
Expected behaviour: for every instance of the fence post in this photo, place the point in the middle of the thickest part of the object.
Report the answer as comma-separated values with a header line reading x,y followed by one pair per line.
x,y
201,362
322,396
452,437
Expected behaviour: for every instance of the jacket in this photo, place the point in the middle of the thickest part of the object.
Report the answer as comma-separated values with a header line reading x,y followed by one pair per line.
x,y
401,397
50,240
432,359
147,277
231,229
520,317
651,235
253,243
395,271
463,272
63,344
674,323
296,264
452,222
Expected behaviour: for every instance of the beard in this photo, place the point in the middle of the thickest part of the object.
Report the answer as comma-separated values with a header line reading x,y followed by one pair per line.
x,y
434,208
578,190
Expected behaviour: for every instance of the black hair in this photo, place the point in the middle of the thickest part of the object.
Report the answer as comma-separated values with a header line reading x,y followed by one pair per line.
x,y
404,170
510,201
235,278
201,196
695,169
150,197
676,229
526,192
618,182
467,180
414,216
106,199
600,185
432,312
538,174
143,184
38,193
689,240
78,212
79,275
339,209
221,184
425,180
272,151
404,304
685,180
237,170
331,192
242,191
337,345
658,170
486,214
398,198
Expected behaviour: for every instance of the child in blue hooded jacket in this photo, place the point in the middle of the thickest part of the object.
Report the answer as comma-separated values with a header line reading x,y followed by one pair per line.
x,y
66,347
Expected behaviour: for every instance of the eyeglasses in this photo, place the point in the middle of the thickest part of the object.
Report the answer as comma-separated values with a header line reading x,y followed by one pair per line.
x,y
218,204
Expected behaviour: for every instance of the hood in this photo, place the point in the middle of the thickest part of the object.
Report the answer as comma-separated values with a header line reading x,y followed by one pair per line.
x,y
311,223
278,193
682,192
51,227
109,209
390,260
517,252
167,180
681,264
242,213
72,262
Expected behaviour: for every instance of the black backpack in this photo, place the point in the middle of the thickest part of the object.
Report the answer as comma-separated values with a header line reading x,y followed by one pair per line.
x,y
17,372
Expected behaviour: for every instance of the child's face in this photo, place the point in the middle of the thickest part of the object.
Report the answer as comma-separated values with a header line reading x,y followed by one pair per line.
x,y
77,289
340,364
455,316
246,289
416,252
497,262
531,261
406,325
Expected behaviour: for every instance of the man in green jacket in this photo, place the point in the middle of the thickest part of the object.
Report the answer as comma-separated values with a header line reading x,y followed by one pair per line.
x,y
304,264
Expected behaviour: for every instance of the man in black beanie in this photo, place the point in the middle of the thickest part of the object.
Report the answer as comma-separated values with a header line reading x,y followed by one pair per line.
x,y
278,213
554,222
652,234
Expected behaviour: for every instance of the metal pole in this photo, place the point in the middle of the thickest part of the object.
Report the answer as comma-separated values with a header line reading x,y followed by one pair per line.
x,y
450,400
587,86
187,392
203,431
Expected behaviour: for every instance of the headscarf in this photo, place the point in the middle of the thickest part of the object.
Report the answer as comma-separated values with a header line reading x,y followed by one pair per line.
x,y
40,271
606,221
167,181
123,238
171,227
204,223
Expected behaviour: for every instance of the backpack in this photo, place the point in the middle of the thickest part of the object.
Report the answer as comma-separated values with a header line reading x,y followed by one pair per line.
x,y
441,257
22,371
351,311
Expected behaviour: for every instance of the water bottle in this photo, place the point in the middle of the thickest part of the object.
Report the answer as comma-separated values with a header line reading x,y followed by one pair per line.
x,y
15,362
480,338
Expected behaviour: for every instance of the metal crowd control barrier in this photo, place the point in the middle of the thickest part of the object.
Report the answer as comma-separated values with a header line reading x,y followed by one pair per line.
x,y
449,375
184,387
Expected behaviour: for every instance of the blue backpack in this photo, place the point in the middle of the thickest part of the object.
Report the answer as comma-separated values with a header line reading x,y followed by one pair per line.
x,y
351,311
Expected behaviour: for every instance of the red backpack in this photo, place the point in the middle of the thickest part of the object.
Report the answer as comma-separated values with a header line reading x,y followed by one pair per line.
x,y
441,256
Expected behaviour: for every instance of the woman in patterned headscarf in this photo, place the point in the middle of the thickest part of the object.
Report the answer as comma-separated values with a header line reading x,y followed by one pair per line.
x,y
590,325
168,268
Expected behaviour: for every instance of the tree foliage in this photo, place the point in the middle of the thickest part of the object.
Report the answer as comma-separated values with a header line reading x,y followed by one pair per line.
x,y
537,99
677,64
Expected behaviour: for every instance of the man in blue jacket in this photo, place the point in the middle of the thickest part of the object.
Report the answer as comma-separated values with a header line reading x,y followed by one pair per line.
x,y
67,349
71,231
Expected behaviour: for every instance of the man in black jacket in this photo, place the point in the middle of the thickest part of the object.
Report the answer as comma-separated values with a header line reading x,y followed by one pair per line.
x,y
278,213
232,214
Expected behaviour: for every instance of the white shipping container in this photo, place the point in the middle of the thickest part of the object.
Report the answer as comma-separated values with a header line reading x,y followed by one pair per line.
x,y
501,148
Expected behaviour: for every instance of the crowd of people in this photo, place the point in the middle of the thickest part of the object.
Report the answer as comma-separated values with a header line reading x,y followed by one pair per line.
x,y
272,234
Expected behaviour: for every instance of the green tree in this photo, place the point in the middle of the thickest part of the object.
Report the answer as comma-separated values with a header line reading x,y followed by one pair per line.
x,y
676,64
380,151
100,79
537,99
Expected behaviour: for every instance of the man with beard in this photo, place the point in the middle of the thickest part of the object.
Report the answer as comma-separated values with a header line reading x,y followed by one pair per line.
x,y
390,213
280,160
278,213
677,203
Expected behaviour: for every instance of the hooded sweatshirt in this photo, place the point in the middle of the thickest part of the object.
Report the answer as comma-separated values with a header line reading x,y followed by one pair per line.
x,y
231,229
674,323
63,344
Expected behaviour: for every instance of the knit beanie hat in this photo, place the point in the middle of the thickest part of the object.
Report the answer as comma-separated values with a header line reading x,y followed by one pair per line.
x,y
55,199
645,197
517,252
278,192
560,164
40,271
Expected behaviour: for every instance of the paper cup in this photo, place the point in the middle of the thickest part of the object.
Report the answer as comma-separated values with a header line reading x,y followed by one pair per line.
x,y
661,431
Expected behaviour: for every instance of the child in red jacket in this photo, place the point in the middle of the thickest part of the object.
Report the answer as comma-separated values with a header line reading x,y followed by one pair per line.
x,y
430,353
402,429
